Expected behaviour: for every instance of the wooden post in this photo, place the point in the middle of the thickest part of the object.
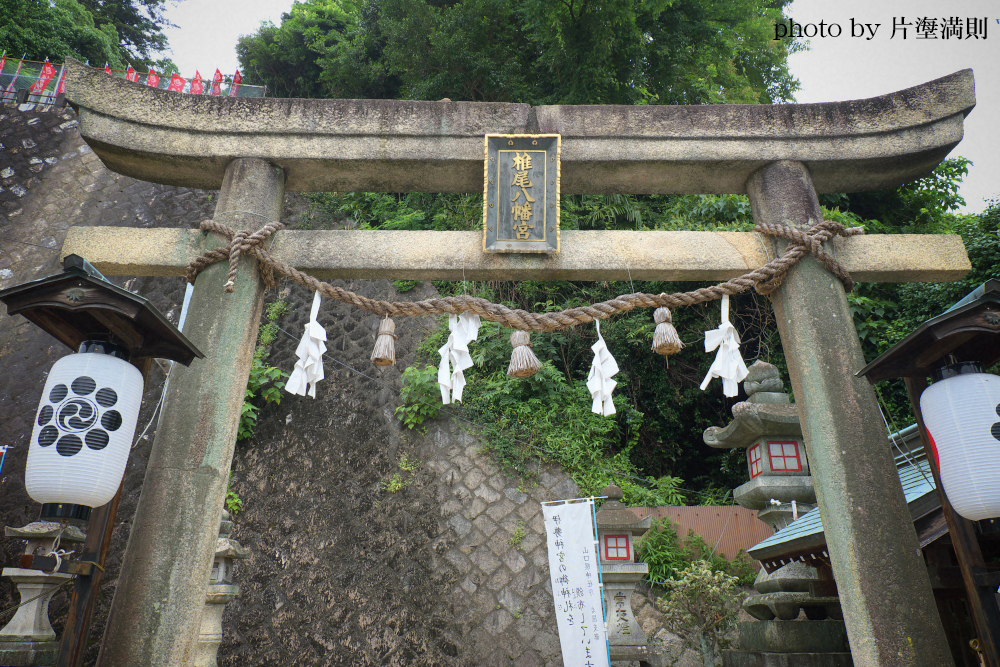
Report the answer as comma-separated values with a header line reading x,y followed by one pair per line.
x,y
155,616
981,598
884,588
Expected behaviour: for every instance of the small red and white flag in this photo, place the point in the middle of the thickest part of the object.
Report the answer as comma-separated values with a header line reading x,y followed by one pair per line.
x,y
177,83
62,83
107,69
3,62
44,77
131,74
153,79
217,83
235,88
197,86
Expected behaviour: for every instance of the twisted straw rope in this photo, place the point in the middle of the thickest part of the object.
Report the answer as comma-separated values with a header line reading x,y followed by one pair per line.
x,y
765,280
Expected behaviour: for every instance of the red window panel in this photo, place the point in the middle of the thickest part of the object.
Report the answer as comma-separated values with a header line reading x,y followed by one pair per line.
x,y
753,457
784,456
616,547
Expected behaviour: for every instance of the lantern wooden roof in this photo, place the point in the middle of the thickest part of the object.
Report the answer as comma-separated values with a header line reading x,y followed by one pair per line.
x,y
969,331
79,304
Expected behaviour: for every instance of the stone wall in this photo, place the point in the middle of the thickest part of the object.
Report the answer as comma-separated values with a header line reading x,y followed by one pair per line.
x,y
449,570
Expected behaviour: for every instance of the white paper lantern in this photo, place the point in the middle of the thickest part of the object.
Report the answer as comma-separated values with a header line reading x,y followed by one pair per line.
x,y
83,430
962,415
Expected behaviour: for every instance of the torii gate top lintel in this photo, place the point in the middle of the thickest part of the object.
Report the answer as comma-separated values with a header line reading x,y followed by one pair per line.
x,y
400,146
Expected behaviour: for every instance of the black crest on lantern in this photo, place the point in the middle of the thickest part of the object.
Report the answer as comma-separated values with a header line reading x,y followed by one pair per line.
x,y
78,415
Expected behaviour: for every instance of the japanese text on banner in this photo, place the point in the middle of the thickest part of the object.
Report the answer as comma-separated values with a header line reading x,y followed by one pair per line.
x,y
576,590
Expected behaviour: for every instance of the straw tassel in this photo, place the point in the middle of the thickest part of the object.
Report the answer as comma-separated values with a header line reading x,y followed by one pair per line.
x,y
384,353
523,362
665,338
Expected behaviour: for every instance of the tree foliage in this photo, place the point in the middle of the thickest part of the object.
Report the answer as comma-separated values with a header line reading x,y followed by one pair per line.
x,y
33,29
567,52
118,32
701,606
139,24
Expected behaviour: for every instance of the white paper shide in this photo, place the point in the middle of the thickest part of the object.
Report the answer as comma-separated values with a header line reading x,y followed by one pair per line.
x,y
599,382
728,363
455,358
309,368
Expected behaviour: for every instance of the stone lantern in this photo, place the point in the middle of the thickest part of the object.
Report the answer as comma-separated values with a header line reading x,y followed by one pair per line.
x,y
767,426
617,528
28,639
221,591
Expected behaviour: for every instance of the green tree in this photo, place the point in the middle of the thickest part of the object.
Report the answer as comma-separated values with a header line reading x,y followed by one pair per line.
x,y
292,59
701,606
570,52
119,32
38,31
138,23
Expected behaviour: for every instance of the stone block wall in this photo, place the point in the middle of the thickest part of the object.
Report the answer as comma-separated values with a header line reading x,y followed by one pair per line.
x,y
449,570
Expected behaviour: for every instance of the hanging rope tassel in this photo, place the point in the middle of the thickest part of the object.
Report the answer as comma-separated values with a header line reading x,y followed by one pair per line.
x,y
523,362
384,353
665,338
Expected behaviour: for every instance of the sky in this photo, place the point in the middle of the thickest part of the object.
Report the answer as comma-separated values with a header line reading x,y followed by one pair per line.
x,y
833,69
845,67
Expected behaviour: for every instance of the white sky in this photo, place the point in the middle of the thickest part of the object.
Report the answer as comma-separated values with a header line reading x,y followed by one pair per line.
x,y
834,69
207,30
846,68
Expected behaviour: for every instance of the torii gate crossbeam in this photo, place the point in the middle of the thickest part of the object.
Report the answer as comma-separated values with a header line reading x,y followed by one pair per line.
x,y
780,155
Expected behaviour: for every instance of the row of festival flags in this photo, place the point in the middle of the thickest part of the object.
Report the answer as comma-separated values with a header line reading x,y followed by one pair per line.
x,y
47,74
179,83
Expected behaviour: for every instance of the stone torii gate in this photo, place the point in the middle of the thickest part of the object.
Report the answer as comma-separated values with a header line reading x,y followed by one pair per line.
x,y
779,155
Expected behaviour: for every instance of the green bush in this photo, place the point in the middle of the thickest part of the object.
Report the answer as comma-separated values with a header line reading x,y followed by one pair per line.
x,y
667,554
265,382
233,501
421,396
701,606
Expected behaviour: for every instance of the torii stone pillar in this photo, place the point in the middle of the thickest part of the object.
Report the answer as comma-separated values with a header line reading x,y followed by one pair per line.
x,y
161,589
856,482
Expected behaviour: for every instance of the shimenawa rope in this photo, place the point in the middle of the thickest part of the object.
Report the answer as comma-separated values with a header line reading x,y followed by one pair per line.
x,y
765,280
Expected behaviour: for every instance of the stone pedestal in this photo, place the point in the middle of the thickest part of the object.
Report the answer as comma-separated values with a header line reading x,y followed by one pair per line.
x,y
28,638
790,644
221,591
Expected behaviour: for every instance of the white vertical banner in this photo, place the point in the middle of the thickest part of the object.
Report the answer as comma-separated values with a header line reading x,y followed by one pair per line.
x,y
576,583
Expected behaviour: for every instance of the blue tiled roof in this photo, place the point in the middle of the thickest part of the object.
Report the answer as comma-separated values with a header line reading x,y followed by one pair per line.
x,y
914,474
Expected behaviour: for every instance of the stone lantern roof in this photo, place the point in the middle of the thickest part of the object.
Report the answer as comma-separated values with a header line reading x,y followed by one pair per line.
x,y
767,411
614,515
